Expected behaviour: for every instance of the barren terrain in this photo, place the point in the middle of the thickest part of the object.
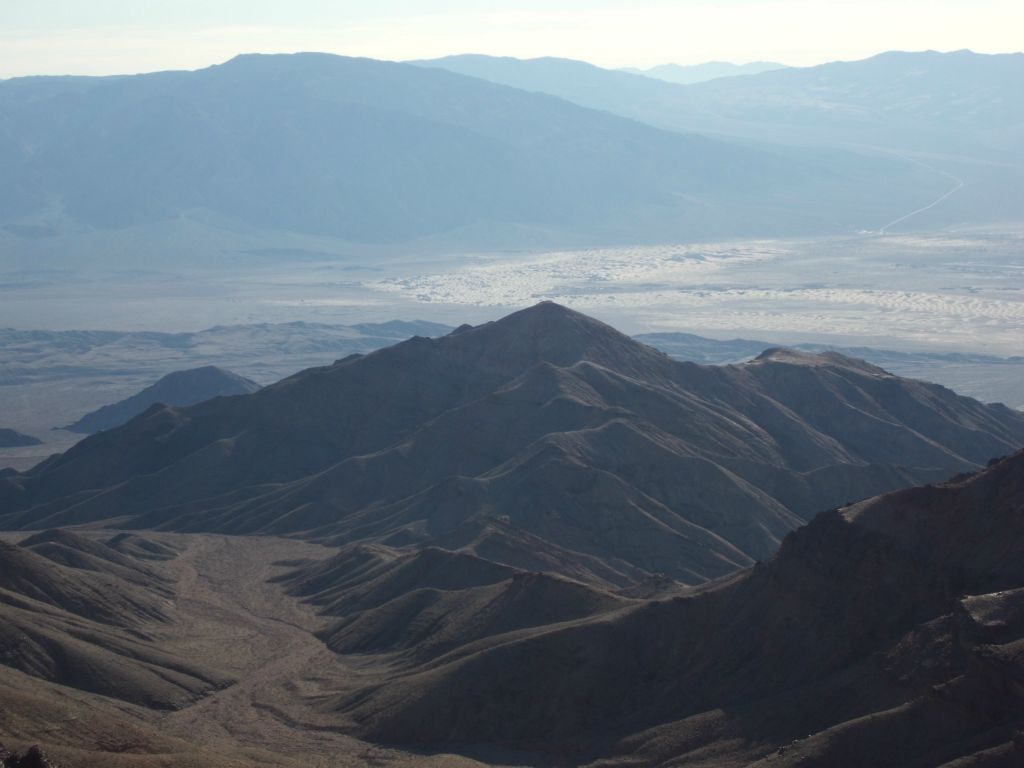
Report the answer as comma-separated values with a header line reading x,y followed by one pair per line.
x,y
228,616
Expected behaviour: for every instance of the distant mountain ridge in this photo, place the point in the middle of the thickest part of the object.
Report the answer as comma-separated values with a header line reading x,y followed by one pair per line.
x,y
543,435
960,97
371,130
388,153
959,114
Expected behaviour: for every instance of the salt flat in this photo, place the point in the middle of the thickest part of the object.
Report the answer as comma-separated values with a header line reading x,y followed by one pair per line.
x,y
946,291
938,291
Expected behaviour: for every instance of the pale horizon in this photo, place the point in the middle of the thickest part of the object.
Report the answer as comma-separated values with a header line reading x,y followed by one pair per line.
x,y
60,37
643,67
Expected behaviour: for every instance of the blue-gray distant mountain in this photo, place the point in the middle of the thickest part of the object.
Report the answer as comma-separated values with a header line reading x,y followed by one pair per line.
x,y
366,151
709,70
10,438
180,388
960,113
963,99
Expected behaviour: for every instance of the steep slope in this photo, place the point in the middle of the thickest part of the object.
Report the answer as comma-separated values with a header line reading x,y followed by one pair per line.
x,y
180,388
891,631
545,441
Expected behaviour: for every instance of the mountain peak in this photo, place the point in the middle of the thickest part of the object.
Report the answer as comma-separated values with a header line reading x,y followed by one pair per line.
x,y
552,333
551,319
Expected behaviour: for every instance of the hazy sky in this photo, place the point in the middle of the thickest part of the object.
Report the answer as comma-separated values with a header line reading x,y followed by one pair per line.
x,y
111,36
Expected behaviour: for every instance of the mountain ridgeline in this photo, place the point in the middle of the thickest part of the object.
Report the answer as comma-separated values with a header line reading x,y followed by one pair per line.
x,y
369,152
926,101
534,541
545,440
959,115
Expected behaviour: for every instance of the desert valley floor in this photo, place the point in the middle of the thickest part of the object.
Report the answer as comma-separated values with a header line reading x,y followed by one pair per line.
x,y
230,617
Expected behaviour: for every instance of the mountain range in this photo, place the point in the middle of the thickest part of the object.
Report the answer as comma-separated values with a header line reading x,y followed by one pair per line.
x,y
887,633
545,437
305,150
960,115
534,541
914,102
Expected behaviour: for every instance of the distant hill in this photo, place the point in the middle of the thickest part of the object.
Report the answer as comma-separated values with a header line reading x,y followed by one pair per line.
x,y
699,73
542,441
263,148
180,388
10,438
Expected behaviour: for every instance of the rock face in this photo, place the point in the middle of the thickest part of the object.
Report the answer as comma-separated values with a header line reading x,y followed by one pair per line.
x,y
181,388
891,631
10,438
543,441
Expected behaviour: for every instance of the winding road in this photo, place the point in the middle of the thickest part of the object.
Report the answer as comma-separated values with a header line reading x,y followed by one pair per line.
x,y
958,183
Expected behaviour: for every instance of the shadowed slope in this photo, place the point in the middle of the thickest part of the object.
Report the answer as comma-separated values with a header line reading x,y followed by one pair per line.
x,y
857,632
433,601
547,425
